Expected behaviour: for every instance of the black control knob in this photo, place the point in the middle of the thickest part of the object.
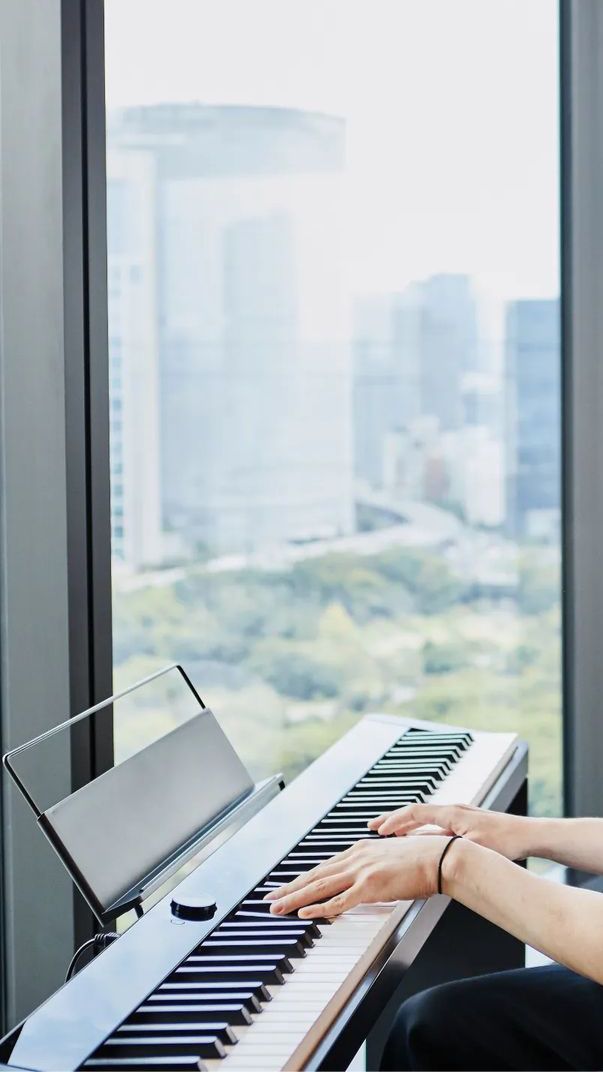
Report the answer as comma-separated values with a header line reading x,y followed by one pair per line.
x,y
193,908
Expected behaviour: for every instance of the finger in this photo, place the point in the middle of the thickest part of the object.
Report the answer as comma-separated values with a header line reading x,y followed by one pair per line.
x,y
320,890
374,824
330,867
335,906
412,816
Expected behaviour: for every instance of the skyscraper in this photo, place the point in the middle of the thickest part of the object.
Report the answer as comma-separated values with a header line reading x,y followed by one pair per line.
x,y
254,362
449,345
533,416
133,361
412,354
386,349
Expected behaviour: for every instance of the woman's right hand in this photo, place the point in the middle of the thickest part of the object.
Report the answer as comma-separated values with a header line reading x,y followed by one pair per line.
x,y
509,835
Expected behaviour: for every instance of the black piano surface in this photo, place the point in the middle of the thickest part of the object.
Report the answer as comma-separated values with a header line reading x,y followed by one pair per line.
x,y
69,1030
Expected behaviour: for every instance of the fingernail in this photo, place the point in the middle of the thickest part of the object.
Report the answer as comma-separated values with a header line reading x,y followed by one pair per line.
x,y
276,909
271,895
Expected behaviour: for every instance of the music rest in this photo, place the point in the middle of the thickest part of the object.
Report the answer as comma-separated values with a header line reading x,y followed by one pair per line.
x,y
124,833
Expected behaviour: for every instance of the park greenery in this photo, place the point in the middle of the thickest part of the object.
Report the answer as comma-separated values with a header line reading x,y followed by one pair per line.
x,y
289,658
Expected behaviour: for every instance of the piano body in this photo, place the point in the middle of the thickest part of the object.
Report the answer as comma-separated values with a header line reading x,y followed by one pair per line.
x,y
243,990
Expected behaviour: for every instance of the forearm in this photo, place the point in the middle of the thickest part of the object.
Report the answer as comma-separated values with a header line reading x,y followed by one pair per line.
x,y
574,842
564,923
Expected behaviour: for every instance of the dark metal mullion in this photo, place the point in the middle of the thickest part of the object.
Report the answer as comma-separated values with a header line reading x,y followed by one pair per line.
x,y
99,480
87,403
567,579
581,27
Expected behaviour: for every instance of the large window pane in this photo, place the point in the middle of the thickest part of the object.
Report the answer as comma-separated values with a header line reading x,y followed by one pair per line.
x,y
334,347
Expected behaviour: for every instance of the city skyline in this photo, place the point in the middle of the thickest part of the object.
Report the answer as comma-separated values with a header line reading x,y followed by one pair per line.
x,y
254,402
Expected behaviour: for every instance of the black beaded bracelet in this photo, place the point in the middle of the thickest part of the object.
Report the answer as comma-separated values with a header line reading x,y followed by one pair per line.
x,y
455,837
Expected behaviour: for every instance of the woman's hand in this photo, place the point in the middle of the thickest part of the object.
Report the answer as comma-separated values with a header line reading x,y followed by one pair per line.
x,y
369,871
509,835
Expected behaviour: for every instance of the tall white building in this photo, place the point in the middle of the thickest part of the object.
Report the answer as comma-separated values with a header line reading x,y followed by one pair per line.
x,y
249,320
133,360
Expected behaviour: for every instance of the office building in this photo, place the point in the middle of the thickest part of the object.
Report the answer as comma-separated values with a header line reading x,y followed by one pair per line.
x,y
254,376
134,361
533,414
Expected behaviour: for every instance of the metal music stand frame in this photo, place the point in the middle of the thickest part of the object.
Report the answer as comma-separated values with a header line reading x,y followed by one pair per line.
x,y
219,829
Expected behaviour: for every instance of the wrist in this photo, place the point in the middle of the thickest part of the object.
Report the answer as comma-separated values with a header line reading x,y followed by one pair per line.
x,y
541,837
523,835
462,856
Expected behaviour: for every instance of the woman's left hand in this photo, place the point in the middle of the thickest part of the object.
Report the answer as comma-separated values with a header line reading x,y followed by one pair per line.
x,y
392,869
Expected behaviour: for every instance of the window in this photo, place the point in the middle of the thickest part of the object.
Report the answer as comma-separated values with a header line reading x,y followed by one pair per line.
x,y
334,321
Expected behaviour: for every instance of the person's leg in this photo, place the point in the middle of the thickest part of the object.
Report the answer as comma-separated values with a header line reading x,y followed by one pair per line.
x,y
538,1019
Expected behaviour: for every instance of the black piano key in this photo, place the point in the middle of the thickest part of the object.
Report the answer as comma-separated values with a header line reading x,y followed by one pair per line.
x,y
268,936
143,1064
312,858
413,763
274,920
353,833
426,752
197,1012
378,796
392,778
242,960
231,927
218,989
289,946
171,1046
376,799
357,813
231,1000
442,735
320,836
340,840
262,908
423,785
258,973
279,878
255,904
181,1029
341,822
370,802
336,844
437,743
351,804
260,919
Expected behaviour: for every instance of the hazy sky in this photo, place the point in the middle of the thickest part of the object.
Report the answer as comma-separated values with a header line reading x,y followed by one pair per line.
x,y
451,109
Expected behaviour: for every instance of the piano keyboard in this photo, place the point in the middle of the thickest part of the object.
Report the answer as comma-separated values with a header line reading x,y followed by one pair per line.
x,y
260,991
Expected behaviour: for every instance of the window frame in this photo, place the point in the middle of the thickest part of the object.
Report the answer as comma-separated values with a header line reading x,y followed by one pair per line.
x,y
69,427
55,568
581,97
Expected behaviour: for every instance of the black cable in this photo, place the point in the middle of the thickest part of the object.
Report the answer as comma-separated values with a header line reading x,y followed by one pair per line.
x,y
97,944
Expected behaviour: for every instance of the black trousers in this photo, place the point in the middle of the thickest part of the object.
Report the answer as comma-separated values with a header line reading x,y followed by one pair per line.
x,y
535,1018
